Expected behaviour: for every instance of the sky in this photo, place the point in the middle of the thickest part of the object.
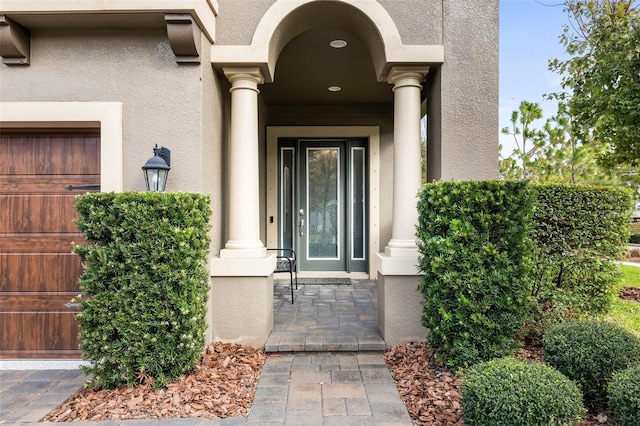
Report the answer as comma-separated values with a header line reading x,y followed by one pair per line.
x,y
529,38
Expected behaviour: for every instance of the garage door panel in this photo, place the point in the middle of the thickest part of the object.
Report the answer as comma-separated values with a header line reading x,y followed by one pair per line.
x,y
17,302
40,176
39,243
39,272
38,334
49,184
38,213
50,155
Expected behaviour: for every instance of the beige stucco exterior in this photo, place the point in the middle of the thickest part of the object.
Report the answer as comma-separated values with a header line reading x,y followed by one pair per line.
x,y
160,73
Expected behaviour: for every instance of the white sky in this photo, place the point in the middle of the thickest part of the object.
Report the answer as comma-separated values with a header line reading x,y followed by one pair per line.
x,y
529,37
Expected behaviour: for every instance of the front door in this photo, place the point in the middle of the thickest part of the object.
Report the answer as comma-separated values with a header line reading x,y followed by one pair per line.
x,y
322,203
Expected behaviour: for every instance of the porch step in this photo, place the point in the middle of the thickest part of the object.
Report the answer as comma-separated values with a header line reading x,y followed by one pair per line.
x,y
288,342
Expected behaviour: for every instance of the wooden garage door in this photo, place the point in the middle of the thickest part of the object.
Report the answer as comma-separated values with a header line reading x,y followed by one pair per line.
x,y
39,176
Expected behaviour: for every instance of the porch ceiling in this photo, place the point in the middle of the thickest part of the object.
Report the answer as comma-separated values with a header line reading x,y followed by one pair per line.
x,y
308,66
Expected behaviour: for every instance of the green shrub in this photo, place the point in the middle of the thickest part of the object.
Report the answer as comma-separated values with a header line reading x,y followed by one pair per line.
x,y
589,353
634,239
514,392
578,232
145,285
624,396
474,248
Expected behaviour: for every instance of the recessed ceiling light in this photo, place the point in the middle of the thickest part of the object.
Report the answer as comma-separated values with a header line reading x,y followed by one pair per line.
x,y
335,88
338,44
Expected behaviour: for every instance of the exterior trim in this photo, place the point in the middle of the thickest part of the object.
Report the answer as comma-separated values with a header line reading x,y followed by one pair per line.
x,y
371,132
203,11
15,42
105,115
184,37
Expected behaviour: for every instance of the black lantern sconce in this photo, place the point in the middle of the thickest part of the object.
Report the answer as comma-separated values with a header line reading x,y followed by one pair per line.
x,y
157,169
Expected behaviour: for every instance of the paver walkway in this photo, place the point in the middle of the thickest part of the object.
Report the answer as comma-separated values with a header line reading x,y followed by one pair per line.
x,y
348,383
326,318
327,389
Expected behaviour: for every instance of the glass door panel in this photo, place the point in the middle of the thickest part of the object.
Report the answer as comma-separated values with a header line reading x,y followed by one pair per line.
x,y
287,197
323,203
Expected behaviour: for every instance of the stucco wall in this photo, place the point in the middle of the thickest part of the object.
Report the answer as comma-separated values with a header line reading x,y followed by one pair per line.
x,y
162,101
212,160
237,20
463,95
418,21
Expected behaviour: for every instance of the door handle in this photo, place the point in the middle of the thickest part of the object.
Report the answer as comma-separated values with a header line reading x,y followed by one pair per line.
x,y
301,222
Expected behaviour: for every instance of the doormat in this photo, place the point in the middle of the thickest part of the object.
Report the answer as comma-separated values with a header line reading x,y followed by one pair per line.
x,y
324,281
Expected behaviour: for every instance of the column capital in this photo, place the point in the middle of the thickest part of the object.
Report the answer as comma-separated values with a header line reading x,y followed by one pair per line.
x,y
235,74
410,72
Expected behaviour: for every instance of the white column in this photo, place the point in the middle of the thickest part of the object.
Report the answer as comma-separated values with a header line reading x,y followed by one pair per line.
x,y
407,170
244,179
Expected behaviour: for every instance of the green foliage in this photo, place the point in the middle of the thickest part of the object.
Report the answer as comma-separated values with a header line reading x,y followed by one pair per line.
x,y
634,238
514,392
601,75
624,396
556,154
474,250
626,313
145,285
578,231
521,129
589,353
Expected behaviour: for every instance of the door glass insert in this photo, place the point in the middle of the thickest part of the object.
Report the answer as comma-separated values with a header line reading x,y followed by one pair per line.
x,y
358,209
323,203
287,197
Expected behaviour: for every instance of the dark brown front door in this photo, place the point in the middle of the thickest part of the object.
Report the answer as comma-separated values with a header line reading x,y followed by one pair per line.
x,y
40,175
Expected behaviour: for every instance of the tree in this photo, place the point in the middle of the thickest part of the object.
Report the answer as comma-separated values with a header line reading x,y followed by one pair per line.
x,y
523,134
601,76
555,154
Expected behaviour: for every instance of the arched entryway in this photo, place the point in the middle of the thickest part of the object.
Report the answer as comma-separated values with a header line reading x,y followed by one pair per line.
x,y
313,65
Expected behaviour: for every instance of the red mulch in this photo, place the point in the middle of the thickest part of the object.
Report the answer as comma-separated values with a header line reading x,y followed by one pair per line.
x,y
222,385
432,394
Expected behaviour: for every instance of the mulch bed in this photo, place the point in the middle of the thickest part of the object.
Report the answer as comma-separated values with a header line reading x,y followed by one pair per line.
x,y
222,385
630,293
432,394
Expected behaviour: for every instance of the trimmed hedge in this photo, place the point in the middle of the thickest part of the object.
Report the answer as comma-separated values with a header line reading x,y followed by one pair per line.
x,y
624,396
590,352
514,392
474,250
142,316
578,231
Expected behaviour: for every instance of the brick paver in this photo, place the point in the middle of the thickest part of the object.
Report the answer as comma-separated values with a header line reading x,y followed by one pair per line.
x,y
326,318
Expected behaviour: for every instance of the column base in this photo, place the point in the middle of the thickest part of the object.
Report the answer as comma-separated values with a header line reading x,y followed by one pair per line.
x,y
241,299
231,263
241,310
243,250
400,306
396,264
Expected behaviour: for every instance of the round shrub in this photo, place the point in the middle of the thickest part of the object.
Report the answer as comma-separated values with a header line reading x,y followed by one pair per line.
x,y
509,392
590,352
624,396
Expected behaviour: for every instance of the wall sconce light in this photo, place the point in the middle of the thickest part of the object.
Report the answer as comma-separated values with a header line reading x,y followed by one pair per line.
x,y
157,169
